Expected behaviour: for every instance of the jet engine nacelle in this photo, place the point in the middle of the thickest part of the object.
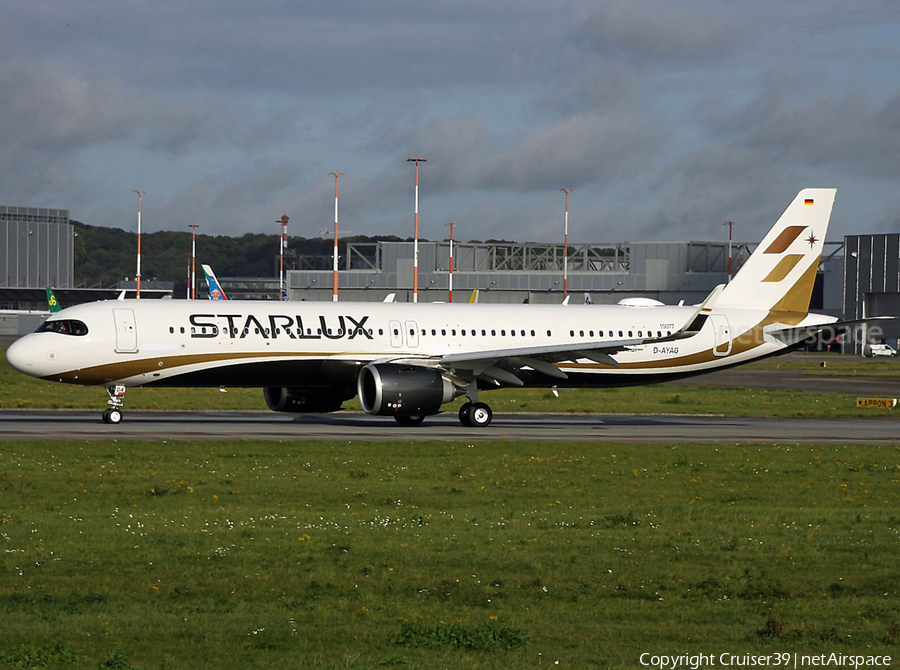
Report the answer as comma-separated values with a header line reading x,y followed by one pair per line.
x,y
392,389
303,400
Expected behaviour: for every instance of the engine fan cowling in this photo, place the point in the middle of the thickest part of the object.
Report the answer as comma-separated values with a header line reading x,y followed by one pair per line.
x,y
303,400
392,389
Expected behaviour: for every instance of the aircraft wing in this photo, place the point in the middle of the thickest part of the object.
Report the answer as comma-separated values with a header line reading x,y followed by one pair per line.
x,y
503,365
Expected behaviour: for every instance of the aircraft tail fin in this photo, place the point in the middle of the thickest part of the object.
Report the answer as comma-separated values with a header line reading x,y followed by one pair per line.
x,y
215,290
780,274
52,302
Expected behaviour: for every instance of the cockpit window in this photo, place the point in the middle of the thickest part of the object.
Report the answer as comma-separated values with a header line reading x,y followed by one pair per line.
x,y
64,327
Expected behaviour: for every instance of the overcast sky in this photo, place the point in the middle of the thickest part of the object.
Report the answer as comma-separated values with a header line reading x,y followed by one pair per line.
x,y
665,118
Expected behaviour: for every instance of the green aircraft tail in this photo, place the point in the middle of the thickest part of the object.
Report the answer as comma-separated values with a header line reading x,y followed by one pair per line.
x,y
52,302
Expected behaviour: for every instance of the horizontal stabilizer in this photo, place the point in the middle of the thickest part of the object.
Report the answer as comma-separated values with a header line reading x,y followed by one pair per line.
x,y
829,329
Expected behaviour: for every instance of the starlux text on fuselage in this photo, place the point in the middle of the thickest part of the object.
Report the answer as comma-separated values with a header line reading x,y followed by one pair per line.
x,y
240,326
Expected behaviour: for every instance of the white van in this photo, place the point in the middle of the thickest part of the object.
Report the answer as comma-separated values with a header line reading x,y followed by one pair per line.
x,y
879,350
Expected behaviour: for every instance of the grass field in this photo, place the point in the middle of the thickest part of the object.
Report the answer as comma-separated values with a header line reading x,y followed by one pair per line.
x,y
434,555
18,391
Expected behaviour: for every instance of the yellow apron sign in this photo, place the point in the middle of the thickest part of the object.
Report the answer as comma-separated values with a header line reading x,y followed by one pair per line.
x,y
877,403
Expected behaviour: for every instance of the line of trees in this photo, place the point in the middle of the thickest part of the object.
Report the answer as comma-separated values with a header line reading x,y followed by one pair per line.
x,y
106,256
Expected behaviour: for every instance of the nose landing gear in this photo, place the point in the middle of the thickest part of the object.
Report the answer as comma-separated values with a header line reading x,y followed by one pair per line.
x,y
113,414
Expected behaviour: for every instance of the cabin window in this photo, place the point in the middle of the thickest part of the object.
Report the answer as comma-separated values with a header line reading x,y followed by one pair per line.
x,y
64,327
580,333
630,334
503,332
493,333
381,331
513,333
464,331
443,331
548,333
640,334
433,332
182,330
483,332
532,333
171,329
453,332
591,333
571,333
620,333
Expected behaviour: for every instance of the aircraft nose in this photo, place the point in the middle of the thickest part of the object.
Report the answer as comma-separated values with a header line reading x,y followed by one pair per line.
x,y
21,356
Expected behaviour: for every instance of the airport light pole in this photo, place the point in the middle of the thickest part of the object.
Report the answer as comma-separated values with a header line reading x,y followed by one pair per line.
x,y
566,245
137,277
451,224
283,222
416,238
334,293
193,227
730,224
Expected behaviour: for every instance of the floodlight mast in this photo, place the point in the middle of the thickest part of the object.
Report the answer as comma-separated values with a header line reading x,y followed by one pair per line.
x,y
450,293
566,245
138,275
334,290
730,225
283,222
416,237
193,227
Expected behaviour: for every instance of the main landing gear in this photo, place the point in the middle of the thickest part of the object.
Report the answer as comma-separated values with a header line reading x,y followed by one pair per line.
x,y
475,415
113,414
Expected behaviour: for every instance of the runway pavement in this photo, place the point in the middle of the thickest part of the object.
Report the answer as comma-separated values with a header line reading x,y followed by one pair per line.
x,y
158,426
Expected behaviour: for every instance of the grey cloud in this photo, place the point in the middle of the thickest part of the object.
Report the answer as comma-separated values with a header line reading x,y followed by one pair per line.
x,y
667,34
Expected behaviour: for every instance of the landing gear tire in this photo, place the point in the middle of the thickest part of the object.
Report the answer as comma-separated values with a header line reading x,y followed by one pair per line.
x,y
480,415
464,414
112,416
409,420
475,415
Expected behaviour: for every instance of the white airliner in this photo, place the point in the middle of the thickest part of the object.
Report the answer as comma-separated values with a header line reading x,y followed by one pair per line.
x,y
407,360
